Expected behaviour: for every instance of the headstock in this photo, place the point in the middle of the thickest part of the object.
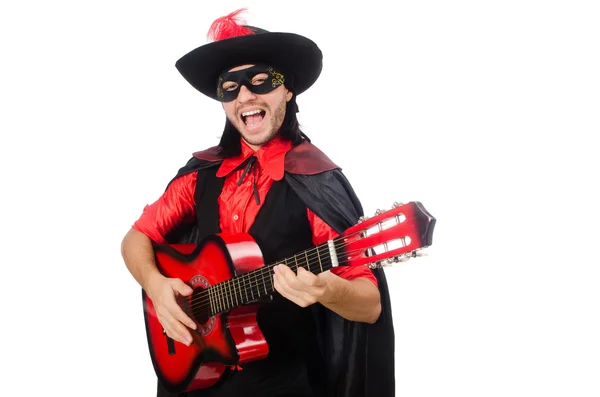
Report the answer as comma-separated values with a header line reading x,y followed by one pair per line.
x,y
390,236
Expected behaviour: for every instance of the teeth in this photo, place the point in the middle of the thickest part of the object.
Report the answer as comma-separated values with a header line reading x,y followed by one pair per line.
x,y
250,113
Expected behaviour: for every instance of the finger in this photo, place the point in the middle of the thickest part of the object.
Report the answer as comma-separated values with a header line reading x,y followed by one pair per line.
x,y
297,296
172,327
307,277
290,277
305,282
311,284
177,312
288,293
177,331
182,288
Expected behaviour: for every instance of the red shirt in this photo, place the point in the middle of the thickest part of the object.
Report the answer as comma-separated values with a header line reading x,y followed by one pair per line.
x,y
237,205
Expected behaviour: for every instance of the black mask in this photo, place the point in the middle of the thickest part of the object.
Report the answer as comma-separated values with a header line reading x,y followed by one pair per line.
x,y
259,79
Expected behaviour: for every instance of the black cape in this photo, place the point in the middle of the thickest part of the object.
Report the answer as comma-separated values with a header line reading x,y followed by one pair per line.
x,y
359,357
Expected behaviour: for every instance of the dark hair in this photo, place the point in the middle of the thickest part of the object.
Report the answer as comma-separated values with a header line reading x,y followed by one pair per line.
x,y
290,130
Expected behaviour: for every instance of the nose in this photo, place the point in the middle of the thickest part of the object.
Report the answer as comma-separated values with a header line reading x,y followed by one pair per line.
x,y
245,95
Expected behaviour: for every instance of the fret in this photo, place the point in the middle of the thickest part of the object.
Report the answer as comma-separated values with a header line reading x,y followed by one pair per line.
x,y
253,278
249,293
235,291
307,264
228,294
222,297
217,301
243,289
325,259
254,285
229,284
296,261
215,298
210,300
319,259
263,278
250,285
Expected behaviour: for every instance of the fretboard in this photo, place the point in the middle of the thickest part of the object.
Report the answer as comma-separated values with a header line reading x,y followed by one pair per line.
x,y
258,283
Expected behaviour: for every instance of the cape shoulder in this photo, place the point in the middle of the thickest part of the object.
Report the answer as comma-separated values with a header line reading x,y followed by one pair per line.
x,y
307,159
212,155
303,159
195,164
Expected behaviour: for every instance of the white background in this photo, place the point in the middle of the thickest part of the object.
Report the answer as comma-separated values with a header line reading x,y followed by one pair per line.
x,y
485,111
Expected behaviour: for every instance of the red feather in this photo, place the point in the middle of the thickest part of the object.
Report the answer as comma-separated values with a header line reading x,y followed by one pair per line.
x,y
228,26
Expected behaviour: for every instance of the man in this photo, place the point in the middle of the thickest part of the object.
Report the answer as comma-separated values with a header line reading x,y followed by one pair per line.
x,y
329,334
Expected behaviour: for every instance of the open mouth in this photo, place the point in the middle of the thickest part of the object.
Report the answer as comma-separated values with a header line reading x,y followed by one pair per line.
x,y
253,117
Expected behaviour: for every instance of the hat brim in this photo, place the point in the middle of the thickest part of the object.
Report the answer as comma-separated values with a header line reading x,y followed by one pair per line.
x,y
287,52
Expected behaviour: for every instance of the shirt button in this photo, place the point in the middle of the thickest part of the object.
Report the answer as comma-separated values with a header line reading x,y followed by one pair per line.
x,y
235,217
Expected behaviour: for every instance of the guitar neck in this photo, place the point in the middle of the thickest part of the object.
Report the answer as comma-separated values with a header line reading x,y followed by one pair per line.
x,y
390,236
258,283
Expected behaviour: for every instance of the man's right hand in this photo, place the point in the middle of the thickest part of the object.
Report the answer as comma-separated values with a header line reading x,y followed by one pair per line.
x,y
164,293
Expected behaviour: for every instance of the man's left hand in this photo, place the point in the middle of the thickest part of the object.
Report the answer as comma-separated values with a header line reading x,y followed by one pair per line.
x,y
304,288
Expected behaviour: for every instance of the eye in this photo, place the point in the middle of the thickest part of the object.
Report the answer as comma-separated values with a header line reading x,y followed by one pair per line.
x,y
259,79
229,86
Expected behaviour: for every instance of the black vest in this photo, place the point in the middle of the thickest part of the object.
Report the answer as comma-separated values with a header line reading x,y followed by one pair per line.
x,y
281,229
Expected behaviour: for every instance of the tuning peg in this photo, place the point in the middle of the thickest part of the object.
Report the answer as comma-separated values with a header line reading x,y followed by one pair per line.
x,y
362,219
414,254
379,212
397,204
404,257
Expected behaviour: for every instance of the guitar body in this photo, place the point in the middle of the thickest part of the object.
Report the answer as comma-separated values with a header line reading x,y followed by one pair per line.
x,y
222,340
229,277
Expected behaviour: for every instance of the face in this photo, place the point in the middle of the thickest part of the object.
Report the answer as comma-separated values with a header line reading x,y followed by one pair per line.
x,y
257,113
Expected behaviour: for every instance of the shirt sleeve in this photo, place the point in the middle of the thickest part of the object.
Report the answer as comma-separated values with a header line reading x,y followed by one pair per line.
x,y
175,206
322,232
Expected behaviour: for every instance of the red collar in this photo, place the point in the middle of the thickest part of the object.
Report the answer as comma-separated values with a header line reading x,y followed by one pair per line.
x,y
271,158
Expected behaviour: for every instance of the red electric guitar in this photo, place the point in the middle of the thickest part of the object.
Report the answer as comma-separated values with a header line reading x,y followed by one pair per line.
x,y
228,276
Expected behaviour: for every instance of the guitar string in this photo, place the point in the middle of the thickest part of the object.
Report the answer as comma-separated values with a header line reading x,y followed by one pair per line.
x,y
221,292
202,300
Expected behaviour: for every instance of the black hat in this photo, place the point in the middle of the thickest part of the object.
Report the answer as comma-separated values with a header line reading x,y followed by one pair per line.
x,y
297,57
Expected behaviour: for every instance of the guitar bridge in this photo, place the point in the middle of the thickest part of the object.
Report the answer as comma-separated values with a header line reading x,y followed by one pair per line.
x,y
170,344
